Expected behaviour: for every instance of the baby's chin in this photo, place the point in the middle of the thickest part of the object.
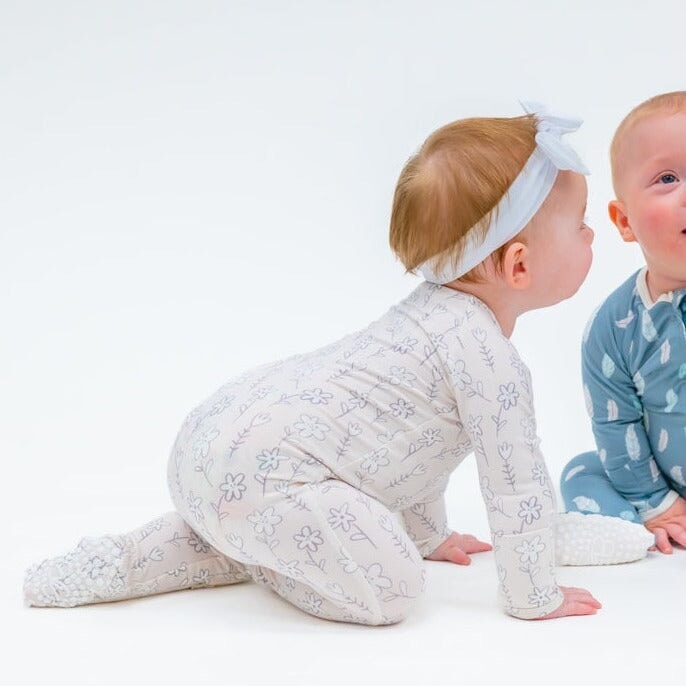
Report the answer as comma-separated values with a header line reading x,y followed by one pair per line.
x,y
665,280
565,296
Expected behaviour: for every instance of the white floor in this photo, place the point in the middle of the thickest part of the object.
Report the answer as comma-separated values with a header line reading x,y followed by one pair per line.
x,y
246,635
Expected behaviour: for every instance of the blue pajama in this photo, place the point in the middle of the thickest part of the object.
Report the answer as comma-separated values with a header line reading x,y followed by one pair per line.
x,y
634,376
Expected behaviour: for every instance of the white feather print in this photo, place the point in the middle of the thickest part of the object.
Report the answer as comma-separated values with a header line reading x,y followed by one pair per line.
x,y
589,324
647,327
602,454
632,444
585,504
677,474
612,411
623,323
663,440
574,471
654,470
628,515
639,383
608,366
672,399
588,401
665,350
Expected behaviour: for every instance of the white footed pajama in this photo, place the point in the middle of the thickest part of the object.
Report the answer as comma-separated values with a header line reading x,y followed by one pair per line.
x,y
322,475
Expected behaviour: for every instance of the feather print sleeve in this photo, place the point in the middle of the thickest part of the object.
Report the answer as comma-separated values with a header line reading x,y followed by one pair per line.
x,y
614,402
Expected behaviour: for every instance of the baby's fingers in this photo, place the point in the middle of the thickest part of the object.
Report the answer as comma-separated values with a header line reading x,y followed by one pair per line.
x,y
471,544
662,540
456,555
577,601
580,607
579,596
677,533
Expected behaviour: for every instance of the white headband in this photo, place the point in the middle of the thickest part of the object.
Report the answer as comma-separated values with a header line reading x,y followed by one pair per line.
x,y
523,198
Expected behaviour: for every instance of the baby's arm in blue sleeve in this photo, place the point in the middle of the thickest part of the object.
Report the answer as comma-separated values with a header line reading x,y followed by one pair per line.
x,y
614,403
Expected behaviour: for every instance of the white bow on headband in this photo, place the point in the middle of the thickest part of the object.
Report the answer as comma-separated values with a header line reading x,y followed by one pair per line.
x,y
523,198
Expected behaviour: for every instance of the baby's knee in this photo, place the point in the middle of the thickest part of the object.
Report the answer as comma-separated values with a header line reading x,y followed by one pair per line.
x,y
397,595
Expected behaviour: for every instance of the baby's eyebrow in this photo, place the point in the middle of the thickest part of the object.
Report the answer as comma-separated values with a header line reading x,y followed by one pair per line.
x,y
662,160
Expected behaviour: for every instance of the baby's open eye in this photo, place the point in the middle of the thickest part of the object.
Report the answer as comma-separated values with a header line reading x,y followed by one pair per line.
x,y
668,177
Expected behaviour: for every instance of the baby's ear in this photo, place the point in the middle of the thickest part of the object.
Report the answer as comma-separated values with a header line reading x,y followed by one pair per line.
x,y
620,219
515,266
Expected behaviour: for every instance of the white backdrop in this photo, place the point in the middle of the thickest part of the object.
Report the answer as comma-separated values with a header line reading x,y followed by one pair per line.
x,y
188,189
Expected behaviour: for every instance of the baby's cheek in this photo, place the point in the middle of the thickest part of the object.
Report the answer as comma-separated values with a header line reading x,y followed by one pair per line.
x,y
657,218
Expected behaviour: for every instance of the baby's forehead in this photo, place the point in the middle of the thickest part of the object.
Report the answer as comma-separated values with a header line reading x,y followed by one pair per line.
x,y
655,136
636,136
643,123
637,124
569,192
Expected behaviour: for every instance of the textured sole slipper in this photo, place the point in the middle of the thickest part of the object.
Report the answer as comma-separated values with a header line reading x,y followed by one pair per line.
x,y
592,539
91,573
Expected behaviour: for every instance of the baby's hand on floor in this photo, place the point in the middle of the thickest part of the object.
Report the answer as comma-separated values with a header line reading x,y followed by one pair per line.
x,y
669,526
577,601
457,548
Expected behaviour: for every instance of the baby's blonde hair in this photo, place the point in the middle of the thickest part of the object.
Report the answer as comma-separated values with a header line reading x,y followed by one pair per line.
x,y
666,103
453,183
